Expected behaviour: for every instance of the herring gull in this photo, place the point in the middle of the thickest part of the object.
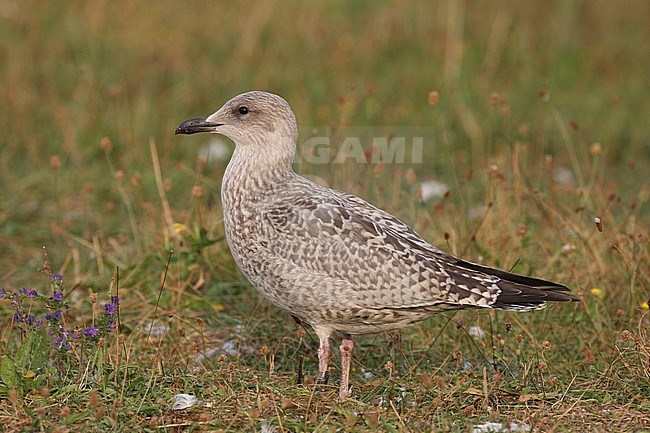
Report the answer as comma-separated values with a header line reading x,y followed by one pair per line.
x,y
331,259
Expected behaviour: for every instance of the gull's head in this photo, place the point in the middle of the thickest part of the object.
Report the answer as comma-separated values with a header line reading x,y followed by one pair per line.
x,y
253,118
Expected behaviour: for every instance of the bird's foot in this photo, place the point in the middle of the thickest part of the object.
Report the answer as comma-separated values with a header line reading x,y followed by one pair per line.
x,y
344,394
323,378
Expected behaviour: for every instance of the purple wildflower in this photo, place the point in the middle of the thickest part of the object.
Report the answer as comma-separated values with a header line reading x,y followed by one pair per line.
x,y
3,292
91,332
33,322
58,295
18,317
57,278
32,293
62,343
115,300
110,309
111,326
54,317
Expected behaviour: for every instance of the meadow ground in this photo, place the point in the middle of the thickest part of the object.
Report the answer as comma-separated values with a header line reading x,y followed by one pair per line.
x,y
534,116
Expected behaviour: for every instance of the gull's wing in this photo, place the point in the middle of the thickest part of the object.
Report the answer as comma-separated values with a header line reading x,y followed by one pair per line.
x,y
386,263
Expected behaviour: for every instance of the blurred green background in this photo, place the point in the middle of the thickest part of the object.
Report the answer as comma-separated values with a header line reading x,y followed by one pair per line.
x,y
535,118
567,75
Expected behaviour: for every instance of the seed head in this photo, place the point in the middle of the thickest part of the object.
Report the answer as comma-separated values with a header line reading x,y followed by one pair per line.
x,y
434,97
411,177
55,162
595,149
106,144
599,224
378,168
626,335
197,191
544,95
93,399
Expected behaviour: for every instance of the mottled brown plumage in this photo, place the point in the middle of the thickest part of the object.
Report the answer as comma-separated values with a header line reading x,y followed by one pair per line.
x,y
329,258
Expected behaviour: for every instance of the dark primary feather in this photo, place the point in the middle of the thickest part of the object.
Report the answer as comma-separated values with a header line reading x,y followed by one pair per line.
x,y
521,290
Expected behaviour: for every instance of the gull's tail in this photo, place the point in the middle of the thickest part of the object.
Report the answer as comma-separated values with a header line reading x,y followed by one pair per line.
x,y
521,293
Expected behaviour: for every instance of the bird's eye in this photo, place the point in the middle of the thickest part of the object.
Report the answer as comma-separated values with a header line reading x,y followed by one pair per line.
x,y
243,110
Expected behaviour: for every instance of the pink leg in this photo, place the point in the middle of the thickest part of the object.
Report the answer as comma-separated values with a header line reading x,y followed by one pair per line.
x,y
324,353
347,346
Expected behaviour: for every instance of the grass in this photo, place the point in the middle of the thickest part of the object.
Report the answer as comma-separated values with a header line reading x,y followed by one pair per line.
x,y
541,127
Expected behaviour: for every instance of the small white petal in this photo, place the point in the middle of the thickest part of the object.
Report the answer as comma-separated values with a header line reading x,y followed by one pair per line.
x,y
433,189
266,428
216,150
183,401
476,332
497,427
156,329
230,348
563,176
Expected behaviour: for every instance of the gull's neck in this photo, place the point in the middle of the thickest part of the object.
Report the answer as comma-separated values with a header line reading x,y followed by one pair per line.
x,y
255,170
